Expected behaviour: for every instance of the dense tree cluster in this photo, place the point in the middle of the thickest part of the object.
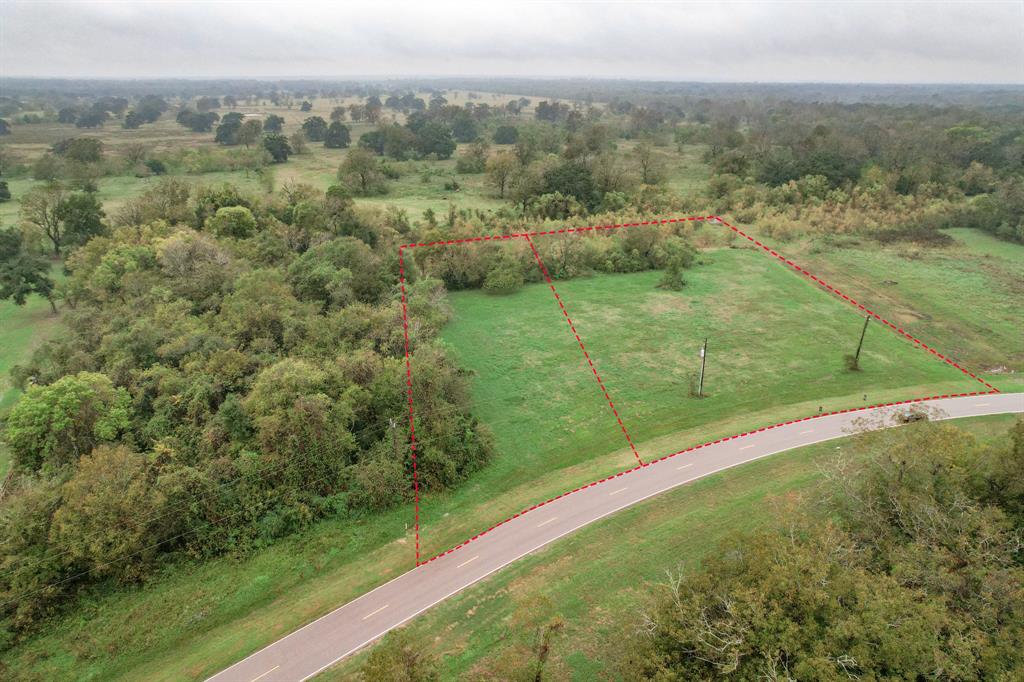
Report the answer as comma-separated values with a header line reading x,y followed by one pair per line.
x,y
197,122
233,369
146,109
500,268
921,573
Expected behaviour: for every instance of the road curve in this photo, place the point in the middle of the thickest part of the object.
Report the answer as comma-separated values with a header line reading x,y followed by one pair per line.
x,y
318,645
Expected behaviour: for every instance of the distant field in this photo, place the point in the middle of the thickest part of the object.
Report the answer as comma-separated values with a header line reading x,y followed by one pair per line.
x,y
597,579
317,167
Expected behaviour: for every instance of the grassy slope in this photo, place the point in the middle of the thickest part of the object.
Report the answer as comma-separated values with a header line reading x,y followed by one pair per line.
x,y
598,585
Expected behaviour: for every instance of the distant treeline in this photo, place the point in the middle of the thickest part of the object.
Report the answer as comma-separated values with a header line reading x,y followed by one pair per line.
x,y
581,89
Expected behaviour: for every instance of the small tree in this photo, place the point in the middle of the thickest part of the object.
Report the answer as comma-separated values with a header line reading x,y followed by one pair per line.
x,y
506,135
475,158
648,163
500,169
250,131
360,171
337,136
435,138
278,147
298,141
306,106
227,131
315,128
22,273
58,423
232,221
82,216
273,124
40,209
677,256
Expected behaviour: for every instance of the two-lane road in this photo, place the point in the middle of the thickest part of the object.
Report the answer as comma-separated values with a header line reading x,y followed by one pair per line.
x,y
311,649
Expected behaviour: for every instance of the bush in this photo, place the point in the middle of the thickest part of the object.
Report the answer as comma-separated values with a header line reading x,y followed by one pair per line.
x,y
232,221
505,278
918,235
506,135
156,166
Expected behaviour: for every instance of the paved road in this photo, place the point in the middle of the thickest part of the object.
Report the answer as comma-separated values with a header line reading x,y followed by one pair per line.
x,y
315,647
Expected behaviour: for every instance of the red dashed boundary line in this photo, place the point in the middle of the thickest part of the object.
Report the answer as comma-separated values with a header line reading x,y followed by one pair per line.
x,y
408,388
691,449
583,348
833,290
593,228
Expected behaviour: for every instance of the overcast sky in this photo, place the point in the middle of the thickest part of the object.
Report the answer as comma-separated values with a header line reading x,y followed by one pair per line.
x,y
927,42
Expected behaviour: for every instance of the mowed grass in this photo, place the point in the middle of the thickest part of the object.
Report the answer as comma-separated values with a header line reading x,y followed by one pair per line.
x,y
598,579
775,351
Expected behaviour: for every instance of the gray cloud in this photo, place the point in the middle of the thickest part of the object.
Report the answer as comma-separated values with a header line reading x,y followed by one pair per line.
x,y
980,42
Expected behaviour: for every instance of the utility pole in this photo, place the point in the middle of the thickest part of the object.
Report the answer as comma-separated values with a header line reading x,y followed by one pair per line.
x,y
703,361
860,344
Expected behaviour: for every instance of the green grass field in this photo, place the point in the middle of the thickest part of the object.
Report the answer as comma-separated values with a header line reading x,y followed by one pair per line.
x,y
598,585
776,345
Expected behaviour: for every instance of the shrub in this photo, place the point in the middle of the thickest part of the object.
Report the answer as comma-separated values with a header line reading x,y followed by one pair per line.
x,y
504,278
156,166
232,221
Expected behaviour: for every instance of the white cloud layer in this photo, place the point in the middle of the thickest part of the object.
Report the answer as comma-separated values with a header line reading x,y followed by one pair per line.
x,y
881,42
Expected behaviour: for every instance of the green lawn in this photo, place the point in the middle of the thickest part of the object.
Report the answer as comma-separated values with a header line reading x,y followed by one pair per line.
x,y
597,578
776,347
